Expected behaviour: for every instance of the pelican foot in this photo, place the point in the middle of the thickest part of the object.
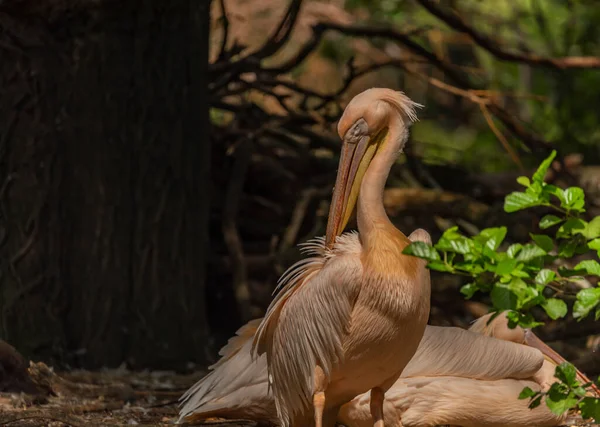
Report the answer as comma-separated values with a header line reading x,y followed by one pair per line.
x,y
319,396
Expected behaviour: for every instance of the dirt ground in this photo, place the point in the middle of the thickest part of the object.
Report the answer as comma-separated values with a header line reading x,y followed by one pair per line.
x,y
105,398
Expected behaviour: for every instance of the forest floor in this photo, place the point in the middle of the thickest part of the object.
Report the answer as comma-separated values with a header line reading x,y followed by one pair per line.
x,y
108,398
103,398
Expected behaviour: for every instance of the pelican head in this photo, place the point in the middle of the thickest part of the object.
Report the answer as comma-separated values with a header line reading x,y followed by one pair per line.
x,y
374,119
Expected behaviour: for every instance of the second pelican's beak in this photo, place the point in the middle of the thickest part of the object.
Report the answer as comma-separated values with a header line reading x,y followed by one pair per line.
x,y
358,150
533,341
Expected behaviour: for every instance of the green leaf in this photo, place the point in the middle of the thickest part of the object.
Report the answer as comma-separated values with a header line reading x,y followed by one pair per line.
x,y
452,241
525,320
451,233
422,250
566,373
549,189
579,390
521,273
549,220
527,296
503,298
539,175
469,290
574,198
555,308
594,244
559,398
587,299
543,241
545,276
572,194
439,266
560,403
592,230
513,250
535,402
492,237
527,393
516,201
506,266
571,225
566,248
590,266
529,252
524,181
590,408
460,245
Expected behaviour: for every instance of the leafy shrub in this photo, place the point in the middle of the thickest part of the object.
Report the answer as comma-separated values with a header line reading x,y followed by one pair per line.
x,y
519,277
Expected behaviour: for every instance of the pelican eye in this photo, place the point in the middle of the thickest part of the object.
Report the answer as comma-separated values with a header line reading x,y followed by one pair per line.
x,y
358,130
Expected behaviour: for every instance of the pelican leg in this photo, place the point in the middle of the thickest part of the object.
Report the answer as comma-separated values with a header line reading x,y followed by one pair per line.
x,y
319,396
377,398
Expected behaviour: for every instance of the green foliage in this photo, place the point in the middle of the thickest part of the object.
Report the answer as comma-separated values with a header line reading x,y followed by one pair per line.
x,y
565,394
521,276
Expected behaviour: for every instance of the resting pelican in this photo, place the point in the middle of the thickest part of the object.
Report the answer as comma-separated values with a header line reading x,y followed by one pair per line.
x,y
349,318
456,377
463,378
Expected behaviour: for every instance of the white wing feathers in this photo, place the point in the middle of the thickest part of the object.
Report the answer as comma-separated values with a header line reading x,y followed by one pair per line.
x,y
446,351
234,372
316,319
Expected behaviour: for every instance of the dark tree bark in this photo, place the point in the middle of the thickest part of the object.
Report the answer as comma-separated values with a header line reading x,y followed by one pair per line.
x,y
104,159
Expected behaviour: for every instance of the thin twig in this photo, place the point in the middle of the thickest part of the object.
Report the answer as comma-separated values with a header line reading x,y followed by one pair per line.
x,y
500,136
225,24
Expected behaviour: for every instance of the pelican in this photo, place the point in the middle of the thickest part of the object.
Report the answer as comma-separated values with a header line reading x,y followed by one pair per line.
x,y
350,317
467,378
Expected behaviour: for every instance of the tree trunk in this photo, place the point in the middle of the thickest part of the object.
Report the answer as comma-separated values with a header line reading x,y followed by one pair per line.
x,y
105,162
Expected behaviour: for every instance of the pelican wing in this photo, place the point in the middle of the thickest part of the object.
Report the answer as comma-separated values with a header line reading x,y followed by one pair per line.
x,y
306,322
466,402
234,344
235,381
447,351
448,400
246,403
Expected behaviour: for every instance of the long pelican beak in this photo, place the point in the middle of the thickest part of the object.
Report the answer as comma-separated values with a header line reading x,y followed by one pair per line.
x,y
533,341
358,150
